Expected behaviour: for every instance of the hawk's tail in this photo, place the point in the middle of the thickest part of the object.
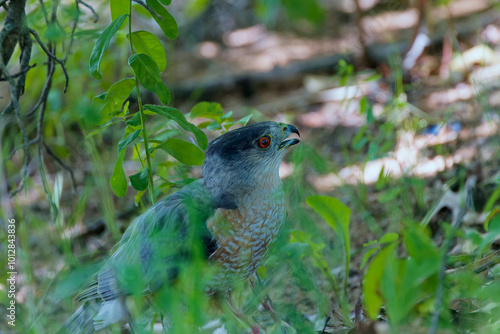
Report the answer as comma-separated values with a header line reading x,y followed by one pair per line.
x,y
82,321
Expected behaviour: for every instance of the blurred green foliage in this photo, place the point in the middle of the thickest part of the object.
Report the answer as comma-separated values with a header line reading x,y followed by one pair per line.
x,y
400,267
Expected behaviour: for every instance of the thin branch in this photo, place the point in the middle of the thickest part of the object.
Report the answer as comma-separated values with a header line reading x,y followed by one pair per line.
x,y
25,146
15,103
323,331
45,92
149,9
73,29
42,5
62,163
18,74
96,17
48,53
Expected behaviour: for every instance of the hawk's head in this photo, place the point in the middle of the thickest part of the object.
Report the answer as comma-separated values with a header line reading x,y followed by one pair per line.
x,y
246,159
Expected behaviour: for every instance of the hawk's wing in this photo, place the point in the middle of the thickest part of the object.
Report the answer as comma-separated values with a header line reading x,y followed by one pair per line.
x,y
148,255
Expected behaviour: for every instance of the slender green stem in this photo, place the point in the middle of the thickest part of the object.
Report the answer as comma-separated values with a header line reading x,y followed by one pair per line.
x,y
143,116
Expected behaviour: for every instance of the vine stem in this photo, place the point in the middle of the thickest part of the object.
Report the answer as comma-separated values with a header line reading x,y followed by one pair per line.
x,y
141,113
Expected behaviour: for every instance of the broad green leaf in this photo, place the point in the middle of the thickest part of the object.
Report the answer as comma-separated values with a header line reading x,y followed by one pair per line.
x,y
211,110
419,244
389,237
140,180
371,286
493,220
147,43
102,44
492,200
134,120
113,101
183,151
178,117
118,179
122,144
148,74
119,8
166,21
166,2
336,215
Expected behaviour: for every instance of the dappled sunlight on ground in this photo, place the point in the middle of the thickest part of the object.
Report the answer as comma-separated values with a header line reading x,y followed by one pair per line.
x,y
409,158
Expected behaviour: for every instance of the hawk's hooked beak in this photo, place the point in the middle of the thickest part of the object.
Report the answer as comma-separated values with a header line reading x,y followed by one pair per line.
x,y
290,142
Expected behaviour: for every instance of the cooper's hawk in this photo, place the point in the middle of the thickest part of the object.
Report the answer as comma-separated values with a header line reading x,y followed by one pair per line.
x,y
235,212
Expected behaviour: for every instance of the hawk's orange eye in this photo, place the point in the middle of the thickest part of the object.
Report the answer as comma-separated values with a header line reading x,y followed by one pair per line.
x,y
264,142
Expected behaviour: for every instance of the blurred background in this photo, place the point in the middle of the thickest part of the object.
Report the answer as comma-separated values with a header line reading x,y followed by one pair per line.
x,y
397,103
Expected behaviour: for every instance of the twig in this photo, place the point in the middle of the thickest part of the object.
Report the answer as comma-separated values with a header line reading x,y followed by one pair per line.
x,y
52,56
15,103
326,325
42,5
2,2
25,146
96,17
62,163
45,92
72,36
18,74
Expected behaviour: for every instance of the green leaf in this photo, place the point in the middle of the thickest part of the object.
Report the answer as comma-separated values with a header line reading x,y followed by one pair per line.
x,y
214,126
166,2
102,44
492,200
419,244
187,153
211,110
148,74
166,21
147,43
118,179
367,255
245,119
371,292
178,117
119,8
114,99
134,120
388,238
122,144
138,196
493,220
140,180
336,215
